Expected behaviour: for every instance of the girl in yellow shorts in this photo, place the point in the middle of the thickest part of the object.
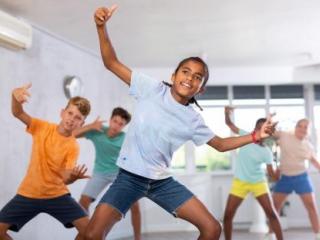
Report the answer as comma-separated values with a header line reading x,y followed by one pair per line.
x,y
250,178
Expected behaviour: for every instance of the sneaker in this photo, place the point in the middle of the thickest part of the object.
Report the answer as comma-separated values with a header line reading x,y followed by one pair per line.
x,y
271,236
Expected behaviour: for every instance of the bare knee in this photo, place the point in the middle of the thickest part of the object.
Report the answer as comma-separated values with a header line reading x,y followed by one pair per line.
x,y
311,208
5,237
91,234
3,234
85,202
135,208
271,214
211,231
228,217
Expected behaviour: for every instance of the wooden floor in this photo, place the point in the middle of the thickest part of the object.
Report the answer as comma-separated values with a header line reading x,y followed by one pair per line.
x,y
292,234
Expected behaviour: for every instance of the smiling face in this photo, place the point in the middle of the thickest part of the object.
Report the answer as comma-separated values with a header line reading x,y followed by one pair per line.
x,y
187,81
71,118
302,127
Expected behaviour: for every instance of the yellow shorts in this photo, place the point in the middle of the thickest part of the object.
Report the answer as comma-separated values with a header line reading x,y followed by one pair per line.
x,y
241,188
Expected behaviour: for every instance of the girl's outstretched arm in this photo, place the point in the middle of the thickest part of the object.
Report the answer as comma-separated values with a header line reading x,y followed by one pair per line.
x,y
109,57
229,143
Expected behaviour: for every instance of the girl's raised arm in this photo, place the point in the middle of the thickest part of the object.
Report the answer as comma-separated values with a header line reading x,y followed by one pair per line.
x,y
109,57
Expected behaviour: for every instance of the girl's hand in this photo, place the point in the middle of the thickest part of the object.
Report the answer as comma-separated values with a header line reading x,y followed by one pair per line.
x,y
267,129
103,14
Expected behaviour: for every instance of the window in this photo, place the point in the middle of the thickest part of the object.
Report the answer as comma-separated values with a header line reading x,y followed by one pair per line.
x,y
206,157
317,125
316,113
251,103
245,118
287,116
179,159
287,101
244,95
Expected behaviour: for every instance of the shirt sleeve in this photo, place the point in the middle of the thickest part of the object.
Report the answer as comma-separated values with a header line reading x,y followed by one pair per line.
x,y
243,132
202,133
90,134
72,157
36,126
141,85
269,156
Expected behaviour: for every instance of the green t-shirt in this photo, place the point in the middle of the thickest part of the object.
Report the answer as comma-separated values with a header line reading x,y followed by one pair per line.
x,y
107,150
250,161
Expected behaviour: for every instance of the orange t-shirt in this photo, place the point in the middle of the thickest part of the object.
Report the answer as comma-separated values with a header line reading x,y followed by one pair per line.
x,y
51,153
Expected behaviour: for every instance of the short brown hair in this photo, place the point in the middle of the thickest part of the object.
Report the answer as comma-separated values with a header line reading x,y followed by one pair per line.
x,y
118,111
82,104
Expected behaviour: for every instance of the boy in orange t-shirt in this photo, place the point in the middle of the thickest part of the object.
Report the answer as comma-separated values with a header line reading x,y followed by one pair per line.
x,y
51,168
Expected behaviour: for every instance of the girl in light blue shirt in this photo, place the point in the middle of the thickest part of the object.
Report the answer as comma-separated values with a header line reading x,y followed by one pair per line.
x,y
163,121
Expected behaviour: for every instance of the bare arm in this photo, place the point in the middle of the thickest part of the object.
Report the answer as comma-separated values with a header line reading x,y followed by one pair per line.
x,y
109,57
229,143
20,96
227,112
315,163
71,175
273,173
96,125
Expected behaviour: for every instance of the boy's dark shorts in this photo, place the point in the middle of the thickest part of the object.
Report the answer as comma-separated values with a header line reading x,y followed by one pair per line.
x,y
20,210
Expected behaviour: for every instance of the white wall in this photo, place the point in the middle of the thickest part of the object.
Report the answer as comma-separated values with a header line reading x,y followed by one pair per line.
x,y
45,65
213,190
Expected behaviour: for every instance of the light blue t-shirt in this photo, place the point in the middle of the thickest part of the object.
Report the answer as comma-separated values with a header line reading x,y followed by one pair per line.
x,y
250,161
160,125
106,149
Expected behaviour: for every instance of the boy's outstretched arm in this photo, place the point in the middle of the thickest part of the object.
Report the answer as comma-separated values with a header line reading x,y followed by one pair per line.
x,y
109,57
229,143
96,125
71,175
20,96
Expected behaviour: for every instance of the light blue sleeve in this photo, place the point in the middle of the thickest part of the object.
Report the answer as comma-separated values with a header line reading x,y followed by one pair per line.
x,y
269,156
243,132
141,85
202,133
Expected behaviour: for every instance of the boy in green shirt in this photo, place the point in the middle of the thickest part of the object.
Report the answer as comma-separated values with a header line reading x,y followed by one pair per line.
x,y
107,142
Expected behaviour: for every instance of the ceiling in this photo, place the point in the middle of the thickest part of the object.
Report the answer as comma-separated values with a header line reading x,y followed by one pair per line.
x,y
149,33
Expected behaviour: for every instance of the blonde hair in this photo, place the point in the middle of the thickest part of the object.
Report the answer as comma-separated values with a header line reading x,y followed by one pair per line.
x,y
82,104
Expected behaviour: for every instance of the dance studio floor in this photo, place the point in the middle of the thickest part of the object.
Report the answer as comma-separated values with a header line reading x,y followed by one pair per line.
x,y
292,234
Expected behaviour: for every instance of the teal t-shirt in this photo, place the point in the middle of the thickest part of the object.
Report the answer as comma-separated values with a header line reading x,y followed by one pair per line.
x,y
250,161
107,150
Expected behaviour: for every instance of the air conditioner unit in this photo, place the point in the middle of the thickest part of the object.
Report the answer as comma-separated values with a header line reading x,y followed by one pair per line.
x,y
14,33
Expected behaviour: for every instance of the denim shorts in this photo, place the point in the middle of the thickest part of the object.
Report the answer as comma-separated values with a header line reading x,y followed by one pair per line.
x,y
20,210
97,183
300,184
129,188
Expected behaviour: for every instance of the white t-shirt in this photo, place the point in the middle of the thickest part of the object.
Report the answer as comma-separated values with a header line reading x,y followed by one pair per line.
x,y
294,153
160,125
